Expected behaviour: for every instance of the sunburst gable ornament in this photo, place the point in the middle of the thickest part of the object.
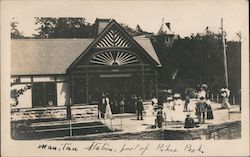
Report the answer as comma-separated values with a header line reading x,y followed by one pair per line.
x,y
114,58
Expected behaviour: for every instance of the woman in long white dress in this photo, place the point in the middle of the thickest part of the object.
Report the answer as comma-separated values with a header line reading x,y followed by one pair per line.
x,y
108,112
169,110
150,112
178,106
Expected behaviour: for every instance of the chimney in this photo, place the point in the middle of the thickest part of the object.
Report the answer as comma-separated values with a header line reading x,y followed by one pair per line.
x,y
101,24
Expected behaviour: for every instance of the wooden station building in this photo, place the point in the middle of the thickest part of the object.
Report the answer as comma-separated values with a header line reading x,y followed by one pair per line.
x,y
61,72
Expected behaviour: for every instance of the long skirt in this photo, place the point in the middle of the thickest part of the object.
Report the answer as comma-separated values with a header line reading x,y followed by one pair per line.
x,y
179,114
170,115
108,111
225,103
150,115
210,113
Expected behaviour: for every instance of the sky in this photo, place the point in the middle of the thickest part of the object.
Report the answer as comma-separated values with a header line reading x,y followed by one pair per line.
x,y
186,17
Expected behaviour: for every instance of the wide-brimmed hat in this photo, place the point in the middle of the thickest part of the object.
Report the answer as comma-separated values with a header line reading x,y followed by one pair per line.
x,y
204,86
169,98
154,100
177,95
223,90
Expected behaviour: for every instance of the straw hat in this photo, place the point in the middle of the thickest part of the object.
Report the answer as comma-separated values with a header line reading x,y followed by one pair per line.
x,y
169,98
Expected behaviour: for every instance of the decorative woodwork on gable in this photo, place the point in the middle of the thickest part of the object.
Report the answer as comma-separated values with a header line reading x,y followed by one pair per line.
x,y
119,57
113,38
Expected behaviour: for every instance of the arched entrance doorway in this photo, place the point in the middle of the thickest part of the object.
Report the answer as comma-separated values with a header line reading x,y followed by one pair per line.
x,y
119,87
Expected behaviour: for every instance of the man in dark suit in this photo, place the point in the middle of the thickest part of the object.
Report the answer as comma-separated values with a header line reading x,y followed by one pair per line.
x,y
159,117
102,106
139,108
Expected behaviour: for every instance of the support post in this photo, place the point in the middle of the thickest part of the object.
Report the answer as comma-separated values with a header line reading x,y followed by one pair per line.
x,y
72,92
143,83
87,88
72,100
143,90
224,52
234,100
68,106
156,85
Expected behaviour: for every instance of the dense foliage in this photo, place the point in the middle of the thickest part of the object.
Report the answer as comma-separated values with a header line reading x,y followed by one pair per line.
x,y
64,28
199,59
73,28
15,33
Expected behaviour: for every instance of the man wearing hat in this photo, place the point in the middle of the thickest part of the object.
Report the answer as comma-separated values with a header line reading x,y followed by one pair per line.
x,y
139,108
159,117
102,106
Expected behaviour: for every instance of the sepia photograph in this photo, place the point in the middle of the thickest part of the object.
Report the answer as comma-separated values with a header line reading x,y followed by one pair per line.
x,y
105,72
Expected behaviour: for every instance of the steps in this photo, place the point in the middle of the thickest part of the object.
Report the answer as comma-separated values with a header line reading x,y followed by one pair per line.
x,y
45,130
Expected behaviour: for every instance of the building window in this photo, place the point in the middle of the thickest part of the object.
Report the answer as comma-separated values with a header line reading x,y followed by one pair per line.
x,y
44,94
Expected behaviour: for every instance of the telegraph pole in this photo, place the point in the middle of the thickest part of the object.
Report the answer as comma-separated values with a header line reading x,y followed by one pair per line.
x,y
224,52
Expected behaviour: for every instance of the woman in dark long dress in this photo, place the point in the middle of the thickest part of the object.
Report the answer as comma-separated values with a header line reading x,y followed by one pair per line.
x,y
102,106
209,110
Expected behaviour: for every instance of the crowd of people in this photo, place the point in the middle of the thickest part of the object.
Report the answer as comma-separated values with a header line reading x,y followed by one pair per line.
x,y
176,110
173,110
119,105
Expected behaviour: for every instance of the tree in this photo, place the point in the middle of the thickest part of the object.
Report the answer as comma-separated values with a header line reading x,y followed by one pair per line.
x,y
15,33
193,60
63,28
73,28
234,65
138,29
135,32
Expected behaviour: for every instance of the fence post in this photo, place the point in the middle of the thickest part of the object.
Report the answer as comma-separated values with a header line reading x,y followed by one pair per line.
x,y
70,129
165,117
217,97
111,123
212,96
214,133
233,100
121,123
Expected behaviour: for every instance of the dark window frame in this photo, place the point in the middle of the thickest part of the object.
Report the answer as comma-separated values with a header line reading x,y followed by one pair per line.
x,y
45,94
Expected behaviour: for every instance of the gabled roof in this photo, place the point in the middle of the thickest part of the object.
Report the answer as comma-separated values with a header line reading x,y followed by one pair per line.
x,y
146,44
45,56
113,23
165,28
54,56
